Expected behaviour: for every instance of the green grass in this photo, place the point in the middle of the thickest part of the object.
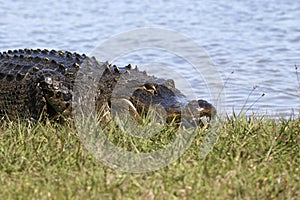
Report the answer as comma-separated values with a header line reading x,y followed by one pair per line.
x,y
254,158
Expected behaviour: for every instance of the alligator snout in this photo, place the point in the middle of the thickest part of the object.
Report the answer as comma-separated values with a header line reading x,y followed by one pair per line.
x,y
200,108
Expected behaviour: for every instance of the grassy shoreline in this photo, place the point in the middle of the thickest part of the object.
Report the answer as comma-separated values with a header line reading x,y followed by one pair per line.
x,y
254,158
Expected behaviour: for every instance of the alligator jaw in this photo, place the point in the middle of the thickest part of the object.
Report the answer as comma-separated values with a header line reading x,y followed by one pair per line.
x,y
195,110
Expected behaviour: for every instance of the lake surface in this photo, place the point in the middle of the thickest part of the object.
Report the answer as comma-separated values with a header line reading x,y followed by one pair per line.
x,y
253,44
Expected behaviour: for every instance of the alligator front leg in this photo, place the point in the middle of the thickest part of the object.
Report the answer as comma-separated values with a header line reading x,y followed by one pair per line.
x,y
36,104
51,95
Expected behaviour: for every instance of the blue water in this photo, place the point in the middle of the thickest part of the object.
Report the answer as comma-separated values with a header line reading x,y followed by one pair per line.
x,y
253,43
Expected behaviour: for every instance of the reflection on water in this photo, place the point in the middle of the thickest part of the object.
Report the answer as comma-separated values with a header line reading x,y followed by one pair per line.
x,y
256,40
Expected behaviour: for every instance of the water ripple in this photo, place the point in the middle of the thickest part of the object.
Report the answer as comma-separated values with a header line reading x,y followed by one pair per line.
x,y
257,40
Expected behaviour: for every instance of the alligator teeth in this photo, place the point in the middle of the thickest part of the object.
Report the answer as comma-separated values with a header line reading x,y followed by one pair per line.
x,y
199,109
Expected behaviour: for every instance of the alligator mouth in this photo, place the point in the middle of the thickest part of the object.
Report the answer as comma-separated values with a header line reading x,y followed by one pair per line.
x,y
197,111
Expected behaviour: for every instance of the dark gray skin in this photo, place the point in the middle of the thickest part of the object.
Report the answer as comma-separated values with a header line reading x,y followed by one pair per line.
x,y
38,84
151,94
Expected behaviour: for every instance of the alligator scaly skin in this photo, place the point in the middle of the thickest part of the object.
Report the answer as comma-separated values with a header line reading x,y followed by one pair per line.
x,y
38,84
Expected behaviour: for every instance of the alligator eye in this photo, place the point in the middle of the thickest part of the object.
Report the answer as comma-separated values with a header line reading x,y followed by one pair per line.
x,y
150,87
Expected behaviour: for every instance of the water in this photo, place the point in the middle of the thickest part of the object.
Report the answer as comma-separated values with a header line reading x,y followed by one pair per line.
x,y
253,43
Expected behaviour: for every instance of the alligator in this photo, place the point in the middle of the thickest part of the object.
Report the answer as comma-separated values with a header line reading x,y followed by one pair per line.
x,y
38,84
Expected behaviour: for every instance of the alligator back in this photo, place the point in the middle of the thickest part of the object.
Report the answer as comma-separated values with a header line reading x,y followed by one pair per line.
x,y
30,78
39,83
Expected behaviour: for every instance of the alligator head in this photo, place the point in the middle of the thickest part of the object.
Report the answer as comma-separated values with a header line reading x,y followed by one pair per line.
x,y
143,92
173,104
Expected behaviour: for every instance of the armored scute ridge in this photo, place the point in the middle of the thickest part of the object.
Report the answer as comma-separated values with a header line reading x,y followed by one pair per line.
x,y
38,84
